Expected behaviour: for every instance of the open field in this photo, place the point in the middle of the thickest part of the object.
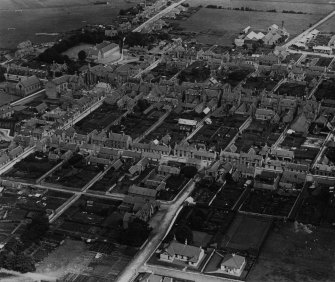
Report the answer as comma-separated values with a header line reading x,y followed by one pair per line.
x,y
328,26
32,167
50,16
306,6
73,52
99,119
246,233
6,98
294,257
221,27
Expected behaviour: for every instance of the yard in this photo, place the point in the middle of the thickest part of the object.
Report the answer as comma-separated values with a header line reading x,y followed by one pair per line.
x,y
75,173
32,167
217,135
173,186
325,90
171,129
293,89
136,123
7,98
268,203
257,135
260,83
233,76
246,233
217,26
317,208
99,119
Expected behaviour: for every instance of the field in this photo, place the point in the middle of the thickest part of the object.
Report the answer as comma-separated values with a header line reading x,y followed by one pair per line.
x,y
306,6
32,167
294,257
73,52
246,233
269,203
328,26
6,98
50,16
221,27
99,119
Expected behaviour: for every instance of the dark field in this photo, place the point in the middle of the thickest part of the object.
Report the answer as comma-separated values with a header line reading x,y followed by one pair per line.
x,y
50,16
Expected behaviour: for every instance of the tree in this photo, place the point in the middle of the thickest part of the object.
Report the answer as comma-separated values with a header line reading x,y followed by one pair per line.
x,y
82,55
183,233
136,233
24,263
189,171
36,229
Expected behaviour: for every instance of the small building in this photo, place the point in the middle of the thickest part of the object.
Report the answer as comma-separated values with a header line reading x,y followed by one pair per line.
x,y
28,86
233,264
189,254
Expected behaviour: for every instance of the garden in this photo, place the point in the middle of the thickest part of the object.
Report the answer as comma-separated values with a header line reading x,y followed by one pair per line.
x,y
32,167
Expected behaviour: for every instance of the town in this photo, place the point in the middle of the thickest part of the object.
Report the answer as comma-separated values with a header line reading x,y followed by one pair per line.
x,y
134,151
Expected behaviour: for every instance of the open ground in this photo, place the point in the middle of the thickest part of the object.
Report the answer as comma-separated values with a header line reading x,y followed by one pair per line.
x,y
221,27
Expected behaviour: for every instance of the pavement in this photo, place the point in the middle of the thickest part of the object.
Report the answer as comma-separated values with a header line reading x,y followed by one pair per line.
x,y
159,15
156,238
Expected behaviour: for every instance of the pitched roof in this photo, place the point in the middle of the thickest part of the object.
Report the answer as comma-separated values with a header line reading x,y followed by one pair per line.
x,y
233,261
191,252
30,81
133,189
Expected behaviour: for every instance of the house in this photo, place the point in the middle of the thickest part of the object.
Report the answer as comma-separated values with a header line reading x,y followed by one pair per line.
x,y
54,87
28,86
105,49
264,114
189,254
142,192
120,141
233,264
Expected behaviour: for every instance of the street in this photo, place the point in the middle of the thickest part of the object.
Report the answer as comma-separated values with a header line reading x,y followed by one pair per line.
x,y
157,235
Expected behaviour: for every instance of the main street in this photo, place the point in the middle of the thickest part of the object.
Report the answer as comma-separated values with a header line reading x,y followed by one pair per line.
x,y
157,236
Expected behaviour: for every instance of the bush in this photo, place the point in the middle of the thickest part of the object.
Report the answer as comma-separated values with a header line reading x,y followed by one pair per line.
x,y
183,233
189,171
82,55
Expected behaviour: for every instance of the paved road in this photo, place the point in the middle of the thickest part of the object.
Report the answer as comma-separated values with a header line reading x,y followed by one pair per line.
x,y
156,238
298,37
158,16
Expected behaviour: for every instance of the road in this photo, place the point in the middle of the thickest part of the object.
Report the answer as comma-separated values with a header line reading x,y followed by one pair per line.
x,y
295,39
156,238
158,16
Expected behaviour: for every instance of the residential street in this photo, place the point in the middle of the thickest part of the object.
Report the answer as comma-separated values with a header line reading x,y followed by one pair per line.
x,y
156,238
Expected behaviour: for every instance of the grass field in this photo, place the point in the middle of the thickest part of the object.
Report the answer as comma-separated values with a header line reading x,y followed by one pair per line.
x,y
306,6
221,27
328,26
294,257
246,233
73,52
50,16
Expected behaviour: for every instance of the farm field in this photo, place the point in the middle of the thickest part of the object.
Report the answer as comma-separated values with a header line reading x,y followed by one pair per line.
x,y
328,26
306,6
220,26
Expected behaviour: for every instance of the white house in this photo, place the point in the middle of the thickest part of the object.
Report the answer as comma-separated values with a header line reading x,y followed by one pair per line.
x,y
233,264
189,254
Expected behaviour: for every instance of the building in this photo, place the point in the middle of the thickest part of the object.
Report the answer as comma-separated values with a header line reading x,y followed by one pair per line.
x,y
233,264
28,86
189,254
54,87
